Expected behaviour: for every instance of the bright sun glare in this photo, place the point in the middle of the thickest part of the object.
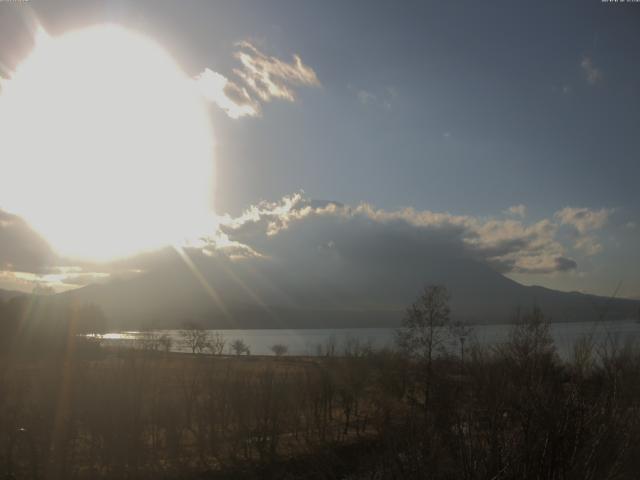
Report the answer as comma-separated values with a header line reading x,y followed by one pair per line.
x,y
106,145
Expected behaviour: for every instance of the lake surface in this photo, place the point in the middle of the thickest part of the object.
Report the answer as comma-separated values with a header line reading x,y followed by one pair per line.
x,y
319,341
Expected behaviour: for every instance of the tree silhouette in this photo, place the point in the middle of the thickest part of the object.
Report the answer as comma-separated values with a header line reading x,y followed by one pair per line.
x,y
239,347
195,337
423,331
279,349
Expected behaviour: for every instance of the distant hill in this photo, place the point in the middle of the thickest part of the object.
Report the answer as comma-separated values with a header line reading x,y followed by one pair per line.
x,y
226,294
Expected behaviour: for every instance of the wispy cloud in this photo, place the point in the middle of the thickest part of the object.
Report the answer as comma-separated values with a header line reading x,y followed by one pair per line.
x,y
583,219
227,95
365,97
592,73
260,79
270,77
583,222
384,99
517,210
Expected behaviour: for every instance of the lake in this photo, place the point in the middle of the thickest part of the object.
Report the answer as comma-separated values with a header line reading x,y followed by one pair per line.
x,y
318,341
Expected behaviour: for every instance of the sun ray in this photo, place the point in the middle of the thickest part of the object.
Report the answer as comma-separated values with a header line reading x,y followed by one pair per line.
x,y
217,299
243,285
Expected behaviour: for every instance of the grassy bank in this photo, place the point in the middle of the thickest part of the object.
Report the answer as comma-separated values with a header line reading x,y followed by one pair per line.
x,y
514,411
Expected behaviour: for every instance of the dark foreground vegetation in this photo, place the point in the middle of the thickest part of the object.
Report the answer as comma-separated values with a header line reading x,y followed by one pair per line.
x,y
515,411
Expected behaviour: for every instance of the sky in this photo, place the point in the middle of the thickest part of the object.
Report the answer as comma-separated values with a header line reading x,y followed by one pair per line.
x,y
514,123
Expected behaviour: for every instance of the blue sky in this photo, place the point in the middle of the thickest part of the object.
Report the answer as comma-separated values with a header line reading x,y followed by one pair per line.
x,y
460,107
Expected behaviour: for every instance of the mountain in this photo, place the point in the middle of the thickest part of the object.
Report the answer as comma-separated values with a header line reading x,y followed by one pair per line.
x,y
9,294
221,293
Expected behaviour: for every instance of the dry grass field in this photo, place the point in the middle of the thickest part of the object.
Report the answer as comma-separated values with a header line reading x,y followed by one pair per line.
x,y
515,411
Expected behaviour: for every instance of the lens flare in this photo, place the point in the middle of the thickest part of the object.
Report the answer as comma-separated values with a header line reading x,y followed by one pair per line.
x,y
106,145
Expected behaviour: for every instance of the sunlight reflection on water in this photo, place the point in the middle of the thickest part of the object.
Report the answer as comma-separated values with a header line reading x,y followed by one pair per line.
x,y
312,341
134,335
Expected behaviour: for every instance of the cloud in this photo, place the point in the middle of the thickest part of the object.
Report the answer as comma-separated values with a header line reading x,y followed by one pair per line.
x,y
227,95
384,99
588,245
517,210
513,247
297,242
592,73
270,77
509,246
565,264
391,93
261,78
55,282
27,260
584,221
365,97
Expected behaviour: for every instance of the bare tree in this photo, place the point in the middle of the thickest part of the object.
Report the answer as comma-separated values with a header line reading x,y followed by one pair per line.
x,y
423,331
530,338
216,344
354,347
279,349
328,348
195,337
239,347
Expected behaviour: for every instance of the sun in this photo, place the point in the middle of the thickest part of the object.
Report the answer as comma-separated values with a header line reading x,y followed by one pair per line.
x,y
106,146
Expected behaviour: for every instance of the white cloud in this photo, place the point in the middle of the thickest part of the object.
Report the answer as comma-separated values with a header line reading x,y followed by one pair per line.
x,y
584,222
510,246
588,245
231,98
592,73
270,77
261,78
302,237
517,210
56,282
583,219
